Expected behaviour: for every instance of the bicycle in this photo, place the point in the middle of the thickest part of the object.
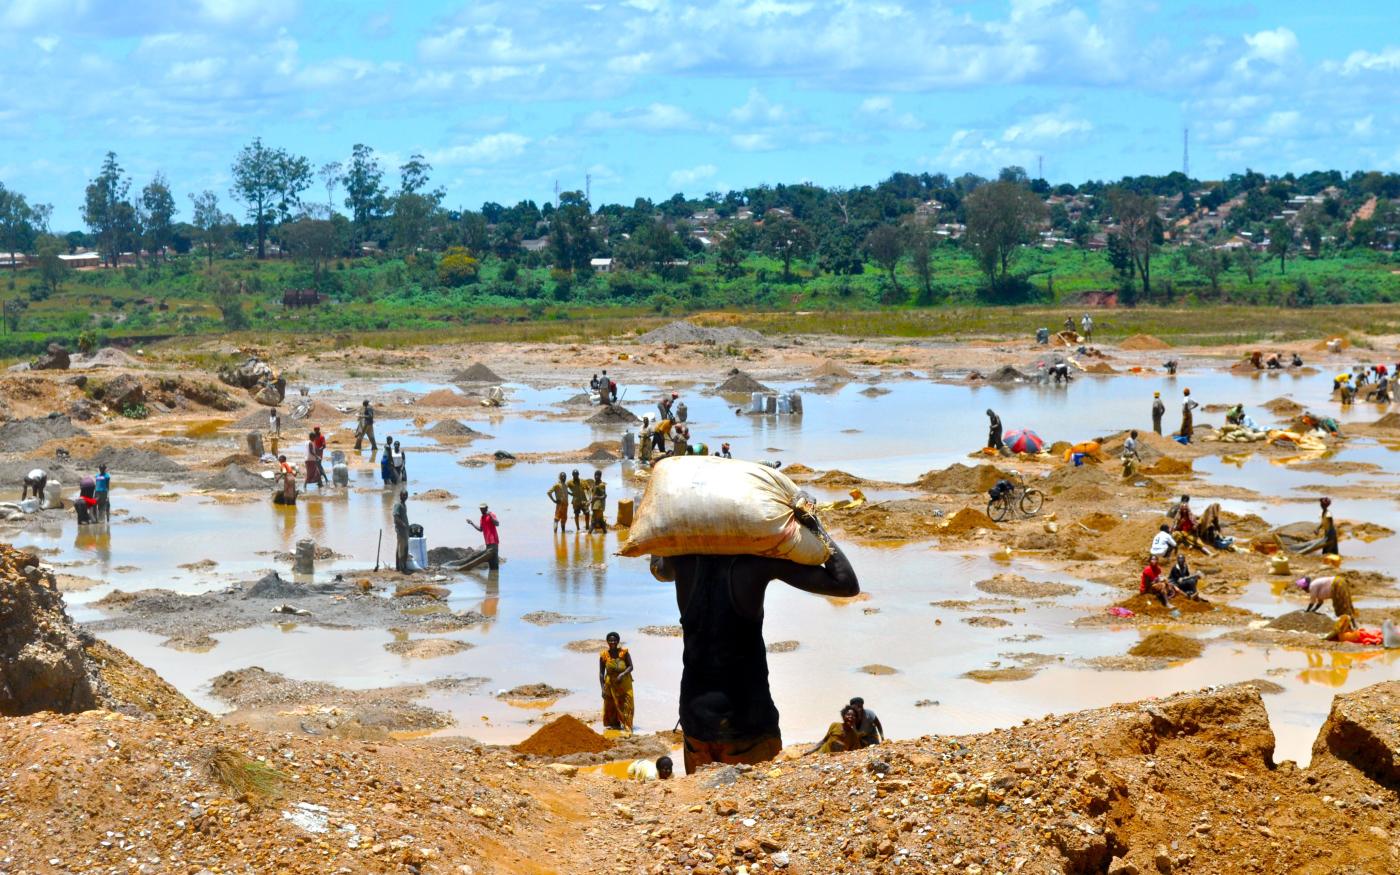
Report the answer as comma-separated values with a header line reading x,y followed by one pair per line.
x,y
1016,495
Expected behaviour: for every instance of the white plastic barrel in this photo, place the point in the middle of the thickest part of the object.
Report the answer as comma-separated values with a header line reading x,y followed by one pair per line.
x,y
756,402
795,399
682,412
53,494
340,474
629,445
417,554
770,404
784,403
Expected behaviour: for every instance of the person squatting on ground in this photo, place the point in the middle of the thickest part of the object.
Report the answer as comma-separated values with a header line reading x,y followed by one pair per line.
x,y
727,713
1152,582
1181,577
842,736
615,680
871,730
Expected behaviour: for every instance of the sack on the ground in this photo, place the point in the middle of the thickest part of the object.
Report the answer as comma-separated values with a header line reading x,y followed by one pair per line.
x,y
721,507
1000,488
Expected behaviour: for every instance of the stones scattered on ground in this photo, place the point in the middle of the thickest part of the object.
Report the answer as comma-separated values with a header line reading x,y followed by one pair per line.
x,y
550,618
1019,587
427,648
587,645
783,646
984,622
878,669
661,631
532,693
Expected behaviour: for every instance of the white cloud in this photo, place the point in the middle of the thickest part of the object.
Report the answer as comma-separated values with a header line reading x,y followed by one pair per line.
x,y
753,142
1275,47
759,110
46,44
680,180
880,110
196,71
1362,127
489,149
1370,62
247,11
1280,124
1045,127
21,14
653,117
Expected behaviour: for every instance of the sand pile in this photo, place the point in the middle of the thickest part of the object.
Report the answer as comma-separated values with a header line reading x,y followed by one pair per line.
x,y
967,521
1167,465
1067,476
234,477
27,435
1129,538
477,373
1006,374
1342,343
740,383
1144,342
832,370
1284,407
1389,421
1100,522
689,332
838,479
130,459
960,479
1100,368
451,429
1301,621
443,398
562,737
1085,493
613,414
107,357
601,451
1167,645
1016,586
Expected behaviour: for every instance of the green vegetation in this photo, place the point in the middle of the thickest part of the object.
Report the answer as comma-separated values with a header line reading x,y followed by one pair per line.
x,y
398,261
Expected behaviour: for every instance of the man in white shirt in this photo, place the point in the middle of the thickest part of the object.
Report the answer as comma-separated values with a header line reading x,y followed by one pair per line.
x,y
1163,544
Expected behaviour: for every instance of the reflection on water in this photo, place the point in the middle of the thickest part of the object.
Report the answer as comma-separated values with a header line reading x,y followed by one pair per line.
x,y
918,426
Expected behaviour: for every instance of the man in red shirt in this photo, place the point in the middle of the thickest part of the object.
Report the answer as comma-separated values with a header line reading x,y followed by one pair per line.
x,y
487,527
1153,583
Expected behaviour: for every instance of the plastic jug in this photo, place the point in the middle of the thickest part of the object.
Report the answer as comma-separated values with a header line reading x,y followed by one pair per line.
x,y
417,553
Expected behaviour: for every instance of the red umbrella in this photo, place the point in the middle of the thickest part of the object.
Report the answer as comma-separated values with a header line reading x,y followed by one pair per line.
x,y
1023,440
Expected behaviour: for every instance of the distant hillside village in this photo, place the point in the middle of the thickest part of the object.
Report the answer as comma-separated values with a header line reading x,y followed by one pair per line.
x,y
352,233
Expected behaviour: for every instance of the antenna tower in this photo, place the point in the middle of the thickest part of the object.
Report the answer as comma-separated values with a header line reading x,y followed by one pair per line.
x,y
1040,166
1186,152
588,187
556,194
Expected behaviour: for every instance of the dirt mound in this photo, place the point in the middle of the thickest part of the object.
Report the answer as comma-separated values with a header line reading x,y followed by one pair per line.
x,y
106,357
601,451
562,737
960,479
1283,407
613,414
1100,522
1168,466
1322,345
1063,478
313,412
1167,645
967,521
1144,342
689,332
1100,368
272,586
234,477
837,479
1006,374
42,665
451,429
1019,587
1389,421
740,383
27,435
443,398
832,370
477,373
1301,621
1130,537
427,648
123,459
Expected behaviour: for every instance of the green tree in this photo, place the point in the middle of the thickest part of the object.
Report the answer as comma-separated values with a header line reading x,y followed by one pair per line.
x,y
52,269
786,239
457,267
885,246
571,239
209,222
661,245
158,206
330,176
1312,233
1001,217
313,241
364,190
919,241
1139,230
729,253
1081,232
1281,243
106,210
13,309
1211,263
1248,262
226,293
17,231
269,182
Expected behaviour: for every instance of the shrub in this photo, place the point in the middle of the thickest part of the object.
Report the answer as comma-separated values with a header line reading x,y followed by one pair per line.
x,y
457,268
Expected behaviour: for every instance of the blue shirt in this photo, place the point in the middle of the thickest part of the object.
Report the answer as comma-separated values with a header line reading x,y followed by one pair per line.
x,y
104,482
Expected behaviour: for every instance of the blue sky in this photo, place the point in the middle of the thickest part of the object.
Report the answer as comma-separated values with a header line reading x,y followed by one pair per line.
x,y
656,96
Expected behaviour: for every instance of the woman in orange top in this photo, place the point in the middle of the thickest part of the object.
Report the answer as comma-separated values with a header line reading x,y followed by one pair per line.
x,y
615,679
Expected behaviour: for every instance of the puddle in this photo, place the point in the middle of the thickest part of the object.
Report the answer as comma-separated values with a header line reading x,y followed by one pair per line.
x,y
918,426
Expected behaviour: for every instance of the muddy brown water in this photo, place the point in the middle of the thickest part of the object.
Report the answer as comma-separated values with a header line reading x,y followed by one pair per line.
x,y
920,425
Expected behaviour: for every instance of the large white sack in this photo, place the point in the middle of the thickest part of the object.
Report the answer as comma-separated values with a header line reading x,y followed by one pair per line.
x,y
723,507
